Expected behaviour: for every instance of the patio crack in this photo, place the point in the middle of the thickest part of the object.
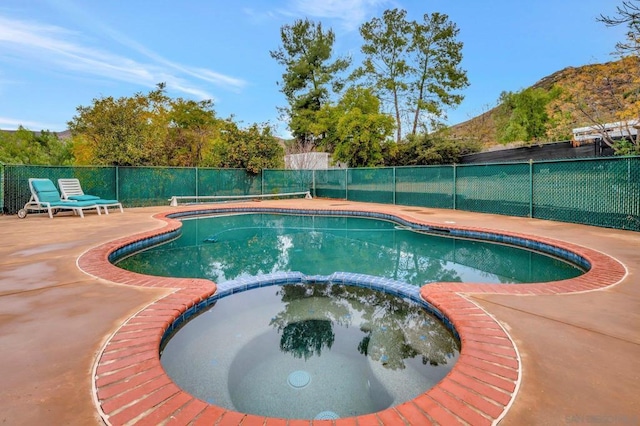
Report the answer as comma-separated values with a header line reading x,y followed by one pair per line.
x,y
549,318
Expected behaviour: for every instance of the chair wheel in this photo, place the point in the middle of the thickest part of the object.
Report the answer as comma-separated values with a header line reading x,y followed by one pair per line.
x,y
22,213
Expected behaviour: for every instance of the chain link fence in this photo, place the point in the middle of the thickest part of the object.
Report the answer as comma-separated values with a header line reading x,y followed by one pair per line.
x,y
494,188
596,192
602,192
283,181
425,186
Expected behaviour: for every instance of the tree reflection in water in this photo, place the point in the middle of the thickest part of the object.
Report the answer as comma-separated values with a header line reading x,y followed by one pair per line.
x,y
232,247
392,329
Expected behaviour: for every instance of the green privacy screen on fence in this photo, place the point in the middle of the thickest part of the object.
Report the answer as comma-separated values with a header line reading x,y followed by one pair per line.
x,y
494,188
601,192
330,183
282,181
370,185
153,186
425,186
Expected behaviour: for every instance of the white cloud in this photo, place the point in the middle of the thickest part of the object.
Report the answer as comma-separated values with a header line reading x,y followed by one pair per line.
x,y
56,48
7,123
350,13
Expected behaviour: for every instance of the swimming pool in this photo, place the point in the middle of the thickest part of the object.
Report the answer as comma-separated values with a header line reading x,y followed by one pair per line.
x,y
261,355
487,354
310,351
231,247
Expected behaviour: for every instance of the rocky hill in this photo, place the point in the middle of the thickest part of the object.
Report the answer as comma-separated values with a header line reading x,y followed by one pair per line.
x,y
602,92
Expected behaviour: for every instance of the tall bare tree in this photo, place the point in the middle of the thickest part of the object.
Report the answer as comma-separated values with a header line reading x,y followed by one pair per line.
x,y
414,67
310,75
438,75
385,66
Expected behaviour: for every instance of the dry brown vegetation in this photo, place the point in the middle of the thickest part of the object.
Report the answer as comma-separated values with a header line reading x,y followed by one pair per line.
x,y
590,94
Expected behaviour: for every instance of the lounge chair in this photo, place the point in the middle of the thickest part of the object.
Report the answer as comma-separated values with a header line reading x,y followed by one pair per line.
x,y
72,190
45,197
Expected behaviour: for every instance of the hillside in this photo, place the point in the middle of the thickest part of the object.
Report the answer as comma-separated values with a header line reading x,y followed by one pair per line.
x,y
604,91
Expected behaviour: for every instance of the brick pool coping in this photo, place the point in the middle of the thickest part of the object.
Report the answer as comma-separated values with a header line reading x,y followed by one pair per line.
x,y
131,385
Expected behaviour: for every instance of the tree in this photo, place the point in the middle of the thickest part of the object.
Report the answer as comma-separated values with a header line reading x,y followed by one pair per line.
x,y
361,128
309,75
386,42
26,147
522,116
253,149
628,15
430,149
414,67
192,130
439,76
627,103
122,132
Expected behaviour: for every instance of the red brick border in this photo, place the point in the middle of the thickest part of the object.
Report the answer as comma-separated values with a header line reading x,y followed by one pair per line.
x,y
132,387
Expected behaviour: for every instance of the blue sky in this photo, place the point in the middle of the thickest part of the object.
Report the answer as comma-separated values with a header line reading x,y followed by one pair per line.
x,y
56,55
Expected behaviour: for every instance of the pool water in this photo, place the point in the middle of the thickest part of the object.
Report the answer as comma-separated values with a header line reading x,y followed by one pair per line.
x,y
223,248
310,351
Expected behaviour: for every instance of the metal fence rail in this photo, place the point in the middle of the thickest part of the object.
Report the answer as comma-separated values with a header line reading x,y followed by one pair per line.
x,y
601,191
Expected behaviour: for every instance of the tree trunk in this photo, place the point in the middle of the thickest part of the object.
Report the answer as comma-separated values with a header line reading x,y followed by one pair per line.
x,y
398,122
419,98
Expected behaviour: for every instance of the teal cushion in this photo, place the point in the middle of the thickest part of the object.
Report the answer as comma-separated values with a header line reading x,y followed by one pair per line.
x,y
48,196
85,197
73,204
45,190
43,185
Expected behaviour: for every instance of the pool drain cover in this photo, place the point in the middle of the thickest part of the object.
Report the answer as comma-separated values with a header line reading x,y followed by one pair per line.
x,y
326,415
299,379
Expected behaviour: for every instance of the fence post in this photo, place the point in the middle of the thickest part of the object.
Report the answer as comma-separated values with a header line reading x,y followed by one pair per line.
x,y
394,185
531,188
261,181
346,183
197,189
455,185
117,184
313,182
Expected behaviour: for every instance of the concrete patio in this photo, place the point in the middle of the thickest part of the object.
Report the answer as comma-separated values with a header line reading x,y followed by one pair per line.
x,y
579,352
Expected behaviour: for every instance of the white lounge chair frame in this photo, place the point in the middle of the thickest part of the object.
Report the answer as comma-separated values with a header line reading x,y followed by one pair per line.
x,y
35,204
70,188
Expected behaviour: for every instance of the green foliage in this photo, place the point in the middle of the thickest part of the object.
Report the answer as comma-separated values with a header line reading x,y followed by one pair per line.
x,y
361,129
523,116
438,76
253,149
385,67
356,128
155,130
128,131
309,75
423,149
413,66
192,130
27,147
626,147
